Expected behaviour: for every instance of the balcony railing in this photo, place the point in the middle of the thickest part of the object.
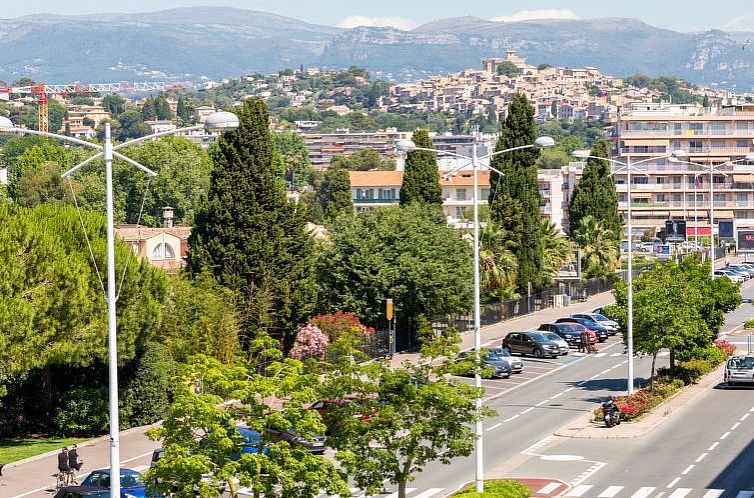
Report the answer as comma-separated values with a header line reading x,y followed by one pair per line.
x,y
375,201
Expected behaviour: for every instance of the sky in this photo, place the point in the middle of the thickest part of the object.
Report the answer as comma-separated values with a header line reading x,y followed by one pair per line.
x,y
678,15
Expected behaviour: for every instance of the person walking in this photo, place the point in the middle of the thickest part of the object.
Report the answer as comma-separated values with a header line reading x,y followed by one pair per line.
x,y
73,459
63,467
584,344
592,341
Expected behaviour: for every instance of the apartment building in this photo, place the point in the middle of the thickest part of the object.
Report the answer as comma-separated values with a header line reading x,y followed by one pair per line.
x,y
323,146
671,190
373,189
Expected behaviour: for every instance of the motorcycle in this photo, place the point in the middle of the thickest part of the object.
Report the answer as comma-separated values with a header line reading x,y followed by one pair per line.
x,y
611,413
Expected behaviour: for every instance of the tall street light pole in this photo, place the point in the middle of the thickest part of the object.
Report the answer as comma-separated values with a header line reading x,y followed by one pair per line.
x,y
220,121
628,167
474,160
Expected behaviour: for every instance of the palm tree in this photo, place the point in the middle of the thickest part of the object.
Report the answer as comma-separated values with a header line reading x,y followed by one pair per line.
x,y
556,250
599,246
497,263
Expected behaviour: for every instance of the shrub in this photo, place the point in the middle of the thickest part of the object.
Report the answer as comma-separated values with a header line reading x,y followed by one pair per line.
x,y
83,411
725,346
691,371
749,324
496,489
145,399
336,324
664,387
310,342
636,404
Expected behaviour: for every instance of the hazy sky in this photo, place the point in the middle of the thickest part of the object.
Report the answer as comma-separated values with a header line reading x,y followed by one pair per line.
x,y
686,15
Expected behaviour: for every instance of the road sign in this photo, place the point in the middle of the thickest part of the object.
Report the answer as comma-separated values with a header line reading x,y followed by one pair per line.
x,y
389,309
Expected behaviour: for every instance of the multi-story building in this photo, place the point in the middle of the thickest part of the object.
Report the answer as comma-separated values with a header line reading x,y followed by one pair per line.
x,y
673,190
323,146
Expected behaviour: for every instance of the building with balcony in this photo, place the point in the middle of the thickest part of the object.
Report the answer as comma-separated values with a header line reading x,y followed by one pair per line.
x,y
323,146
672,190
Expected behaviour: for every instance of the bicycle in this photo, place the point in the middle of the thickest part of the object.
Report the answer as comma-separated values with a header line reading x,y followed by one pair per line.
x,y
68,477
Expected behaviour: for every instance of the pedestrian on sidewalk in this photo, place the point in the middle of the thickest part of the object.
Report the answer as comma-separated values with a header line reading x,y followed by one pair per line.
x,y
592,341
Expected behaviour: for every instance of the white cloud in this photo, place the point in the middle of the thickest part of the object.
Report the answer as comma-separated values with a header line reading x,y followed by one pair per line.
x,y
526,15
395,22
741,23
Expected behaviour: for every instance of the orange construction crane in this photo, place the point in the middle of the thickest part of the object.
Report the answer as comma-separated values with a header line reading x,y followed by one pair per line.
x,y
40,92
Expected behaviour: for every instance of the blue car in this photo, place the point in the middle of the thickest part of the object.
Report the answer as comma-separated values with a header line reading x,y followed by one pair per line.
x,y
131,483
251,440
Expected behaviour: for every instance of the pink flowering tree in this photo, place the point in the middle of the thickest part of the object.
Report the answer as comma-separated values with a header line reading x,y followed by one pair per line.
x,y
310,342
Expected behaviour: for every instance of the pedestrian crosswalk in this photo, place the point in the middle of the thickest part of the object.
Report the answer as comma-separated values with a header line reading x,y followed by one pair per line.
x,y
591,491
357,493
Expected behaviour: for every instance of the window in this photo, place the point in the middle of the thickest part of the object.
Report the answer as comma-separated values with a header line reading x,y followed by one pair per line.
x,y
719,129
459,212
743,143
386,194
660,197
461,194
640,180
696,128
742,214
696,146
485,194
677,129
163,251
676,197
660,180
742,126
718,144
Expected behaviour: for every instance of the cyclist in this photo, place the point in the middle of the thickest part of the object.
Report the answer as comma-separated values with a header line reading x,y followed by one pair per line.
x,y
73,459
63,466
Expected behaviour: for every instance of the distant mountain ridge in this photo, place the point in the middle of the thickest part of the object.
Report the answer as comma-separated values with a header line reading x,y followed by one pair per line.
x,y
214,43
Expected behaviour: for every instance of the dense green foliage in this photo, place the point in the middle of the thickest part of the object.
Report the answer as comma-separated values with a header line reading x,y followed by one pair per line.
x,y
595,194
520,183
250,237
421,178
671,88
496,489
365,159
295,155
145,397
337,193
600,250
405,253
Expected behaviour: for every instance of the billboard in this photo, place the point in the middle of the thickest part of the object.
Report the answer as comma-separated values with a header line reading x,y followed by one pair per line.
x,y
571,270
745,241
725,229
675,230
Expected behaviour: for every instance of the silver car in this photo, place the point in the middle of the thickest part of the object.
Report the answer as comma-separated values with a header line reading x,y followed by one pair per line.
x,y
739,370
515,364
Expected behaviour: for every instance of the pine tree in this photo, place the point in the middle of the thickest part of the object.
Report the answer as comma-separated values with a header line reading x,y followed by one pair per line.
x,y
249,237
339,201
595,194
520,183
421,178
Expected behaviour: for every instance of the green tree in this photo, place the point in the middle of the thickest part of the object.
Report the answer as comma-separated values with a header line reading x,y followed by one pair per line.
x,y
498,266
295,156
405,253
508,69
145,397
519,182
553,159
33,158
600,249
43,185
114,104
595,194
132,125
338,193
182,110
421,178
366,159
556,249
249,237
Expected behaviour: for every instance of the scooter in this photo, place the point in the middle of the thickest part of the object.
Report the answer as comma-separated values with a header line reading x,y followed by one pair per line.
x,y
611,413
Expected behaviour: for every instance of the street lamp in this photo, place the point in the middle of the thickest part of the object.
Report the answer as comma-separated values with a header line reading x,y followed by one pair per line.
x,y
220,121
628,167
408,146
712,170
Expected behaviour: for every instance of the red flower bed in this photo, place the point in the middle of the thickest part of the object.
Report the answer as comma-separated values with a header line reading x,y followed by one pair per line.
x,y
632,406
725,346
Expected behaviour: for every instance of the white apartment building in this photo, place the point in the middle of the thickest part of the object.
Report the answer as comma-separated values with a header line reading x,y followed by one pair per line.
x,y
323,146
671,190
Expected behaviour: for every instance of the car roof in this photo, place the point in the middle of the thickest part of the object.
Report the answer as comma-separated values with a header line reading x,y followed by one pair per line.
x,y
122,471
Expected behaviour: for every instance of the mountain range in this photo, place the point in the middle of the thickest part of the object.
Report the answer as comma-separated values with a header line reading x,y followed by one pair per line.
x,y
192,44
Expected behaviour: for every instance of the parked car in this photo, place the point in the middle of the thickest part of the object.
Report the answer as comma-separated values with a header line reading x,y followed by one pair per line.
x,y
157,455
515,364
744,269
739,370
602,332
500,368
82,492
552,336
733,277
532,343
569,332
610,325
131,483
314,445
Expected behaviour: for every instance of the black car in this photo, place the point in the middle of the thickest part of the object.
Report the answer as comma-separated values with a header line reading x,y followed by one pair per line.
x,y
82,492
314,445
602,332
532,343
570,332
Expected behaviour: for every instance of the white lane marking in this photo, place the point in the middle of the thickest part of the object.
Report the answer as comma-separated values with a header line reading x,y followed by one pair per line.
x,y
395,495
542,402
643,493
547,489
700,457
751,409
713,493
495,426
579,490
599,355
725,435
714,445
510,418
673,482
606,370
429,493
557,395
584,382
624,362
527,410
569,389
688,469
735,426
680,493
744,417
135,458
745,494
594,376
610,492
32,491
486,344
616,354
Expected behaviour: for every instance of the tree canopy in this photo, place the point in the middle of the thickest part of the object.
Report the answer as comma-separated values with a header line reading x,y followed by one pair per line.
x,y
421,178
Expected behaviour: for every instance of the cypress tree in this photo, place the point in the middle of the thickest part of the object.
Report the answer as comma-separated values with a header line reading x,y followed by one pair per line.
x,y
250,237
595,194
421,178
520,183
339,200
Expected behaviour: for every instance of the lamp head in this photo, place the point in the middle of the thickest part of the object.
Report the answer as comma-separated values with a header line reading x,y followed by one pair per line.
x,y
405,145
221,121
679,154
749,157
544,142
5,123
581,154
